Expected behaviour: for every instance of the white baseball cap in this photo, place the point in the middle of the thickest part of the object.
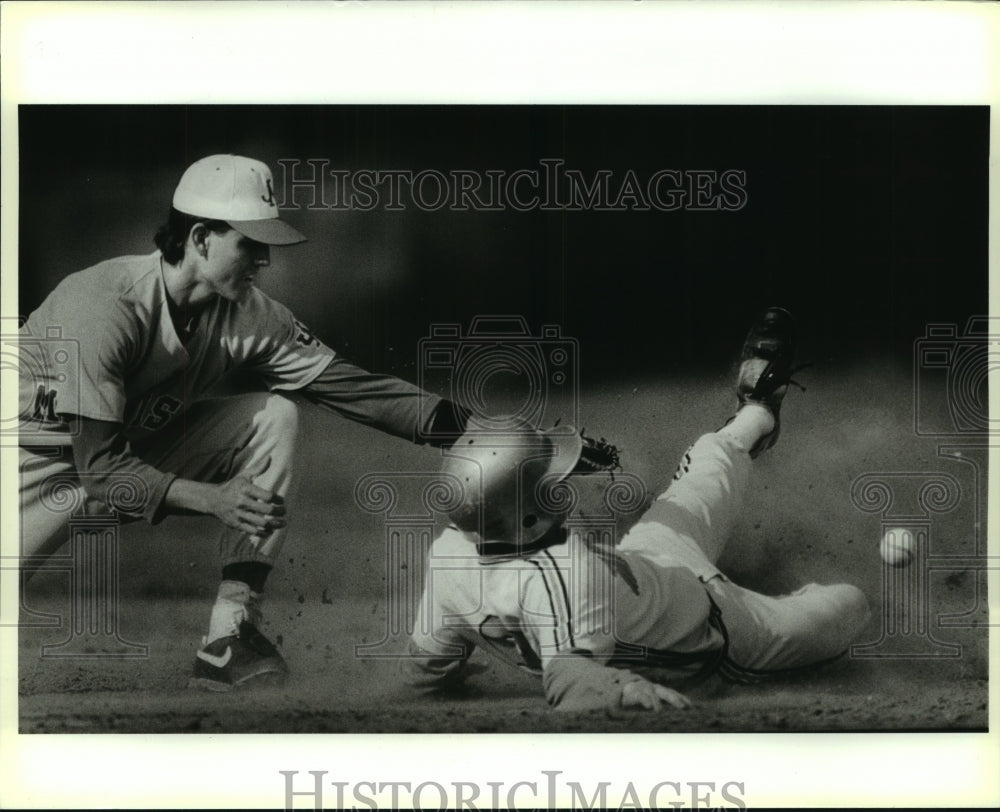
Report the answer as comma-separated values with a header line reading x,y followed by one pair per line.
x,y
238,191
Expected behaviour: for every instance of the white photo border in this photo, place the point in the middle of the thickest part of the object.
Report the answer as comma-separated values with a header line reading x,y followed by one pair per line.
x,y
511,53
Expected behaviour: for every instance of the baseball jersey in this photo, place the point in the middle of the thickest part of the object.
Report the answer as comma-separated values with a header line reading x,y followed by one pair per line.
x,y
103,346
566,613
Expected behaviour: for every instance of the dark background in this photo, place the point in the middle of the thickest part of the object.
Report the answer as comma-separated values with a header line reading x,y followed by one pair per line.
x,y
868,222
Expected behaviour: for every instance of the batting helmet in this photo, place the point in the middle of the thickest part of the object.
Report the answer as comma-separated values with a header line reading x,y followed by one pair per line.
x,y
511,484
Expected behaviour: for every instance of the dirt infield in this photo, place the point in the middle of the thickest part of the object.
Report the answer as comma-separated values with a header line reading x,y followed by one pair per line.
x,y
332,692
801,523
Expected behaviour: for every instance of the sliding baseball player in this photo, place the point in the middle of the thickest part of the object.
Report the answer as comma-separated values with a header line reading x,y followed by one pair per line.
x,y
625,626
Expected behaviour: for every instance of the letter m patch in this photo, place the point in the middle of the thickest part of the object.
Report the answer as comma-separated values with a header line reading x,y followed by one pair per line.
x,y
45,405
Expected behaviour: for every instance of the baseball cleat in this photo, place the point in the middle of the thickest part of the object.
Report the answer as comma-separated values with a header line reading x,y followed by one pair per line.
x,y
244,659
766,368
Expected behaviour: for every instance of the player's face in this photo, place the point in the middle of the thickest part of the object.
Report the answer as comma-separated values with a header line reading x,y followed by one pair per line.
x,y
233,263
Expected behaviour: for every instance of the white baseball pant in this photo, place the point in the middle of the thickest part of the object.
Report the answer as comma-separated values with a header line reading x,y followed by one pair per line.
x,y
689,525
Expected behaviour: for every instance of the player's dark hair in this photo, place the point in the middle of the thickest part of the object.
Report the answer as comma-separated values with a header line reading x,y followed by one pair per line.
x,y
171,237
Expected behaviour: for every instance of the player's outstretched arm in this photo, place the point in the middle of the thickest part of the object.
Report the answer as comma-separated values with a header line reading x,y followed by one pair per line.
x,y
387,403
577,681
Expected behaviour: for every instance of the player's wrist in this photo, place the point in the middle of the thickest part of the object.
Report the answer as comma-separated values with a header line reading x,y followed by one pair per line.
x,y
186,494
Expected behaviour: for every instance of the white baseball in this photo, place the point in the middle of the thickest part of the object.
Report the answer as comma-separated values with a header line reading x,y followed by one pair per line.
x,y
897,547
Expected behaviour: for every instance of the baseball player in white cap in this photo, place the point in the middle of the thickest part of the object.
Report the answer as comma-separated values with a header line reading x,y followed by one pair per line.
x,y
155,333
625,626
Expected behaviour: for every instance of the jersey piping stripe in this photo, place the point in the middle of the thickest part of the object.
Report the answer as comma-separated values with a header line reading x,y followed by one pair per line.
x,y
565,594
556,613
552,604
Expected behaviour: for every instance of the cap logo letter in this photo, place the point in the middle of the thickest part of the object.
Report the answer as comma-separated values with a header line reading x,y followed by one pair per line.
x,y
270,194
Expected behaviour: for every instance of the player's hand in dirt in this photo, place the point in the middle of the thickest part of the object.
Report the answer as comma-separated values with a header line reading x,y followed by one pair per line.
x,y
243,506
651,696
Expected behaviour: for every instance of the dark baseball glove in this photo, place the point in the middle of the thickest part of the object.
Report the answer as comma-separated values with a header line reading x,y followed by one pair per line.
x,y
597,455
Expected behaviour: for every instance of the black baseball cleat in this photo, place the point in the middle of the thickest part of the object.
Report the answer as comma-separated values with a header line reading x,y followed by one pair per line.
x,y
246,659
766,368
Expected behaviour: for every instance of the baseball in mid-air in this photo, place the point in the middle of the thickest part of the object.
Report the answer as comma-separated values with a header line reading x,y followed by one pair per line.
x,y
897,547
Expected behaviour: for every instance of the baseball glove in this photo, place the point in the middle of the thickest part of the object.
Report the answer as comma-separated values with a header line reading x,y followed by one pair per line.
x,y
597,455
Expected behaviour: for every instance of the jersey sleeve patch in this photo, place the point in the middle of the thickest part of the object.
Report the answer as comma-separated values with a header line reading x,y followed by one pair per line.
x,y
265,336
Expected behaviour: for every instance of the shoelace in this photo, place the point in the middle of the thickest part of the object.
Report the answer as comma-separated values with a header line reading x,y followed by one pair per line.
x,y
799,368
772,381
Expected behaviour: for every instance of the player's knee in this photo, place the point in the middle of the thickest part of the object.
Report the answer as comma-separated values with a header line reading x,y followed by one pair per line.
x,y
836,611
856,605
849,608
